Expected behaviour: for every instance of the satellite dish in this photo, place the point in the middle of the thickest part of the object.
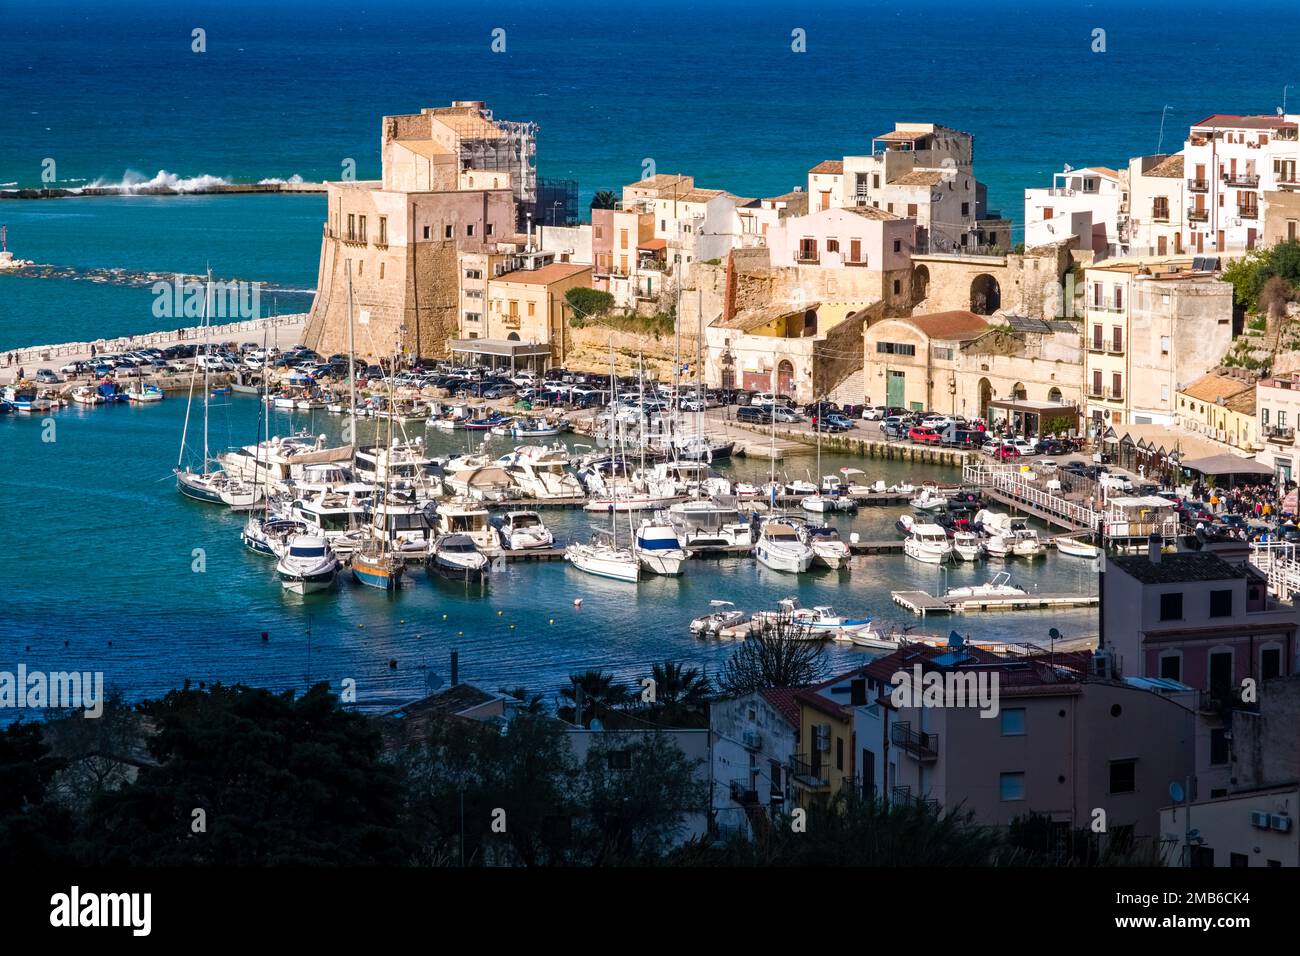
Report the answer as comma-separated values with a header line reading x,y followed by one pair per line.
x,y
1176,792
1054,634
596,724
432,680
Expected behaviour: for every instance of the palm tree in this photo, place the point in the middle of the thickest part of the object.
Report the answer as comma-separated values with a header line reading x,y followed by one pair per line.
x,y
605,199
600,694
532,702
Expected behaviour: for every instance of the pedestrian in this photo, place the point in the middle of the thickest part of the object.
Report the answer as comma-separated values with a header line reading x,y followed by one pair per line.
x,y
92,350
20,374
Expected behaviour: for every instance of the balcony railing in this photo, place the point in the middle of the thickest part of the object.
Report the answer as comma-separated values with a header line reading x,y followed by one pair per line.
x,y
1246,181
1115,348
1198,185
903,795
1096,345
1248,212
1198,215
742,794
804,256
806,775
1106,305
1116,395
1094,392
1283,436
919,743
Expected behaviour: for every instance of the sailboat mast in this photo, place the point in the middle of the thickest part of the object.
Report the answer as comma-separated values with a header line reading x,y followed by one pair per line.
x,y
352,375
617,457
207,352
699,386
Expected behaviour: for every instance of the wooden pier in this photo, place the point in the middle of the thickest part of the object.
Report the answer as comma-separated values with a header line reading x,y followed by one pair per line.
x,y
924,603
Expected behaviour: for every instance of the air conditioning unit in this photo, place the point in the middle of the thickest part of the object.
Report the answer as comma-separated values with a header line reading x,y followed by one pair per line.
x,y
1259,819
752,739
1280,822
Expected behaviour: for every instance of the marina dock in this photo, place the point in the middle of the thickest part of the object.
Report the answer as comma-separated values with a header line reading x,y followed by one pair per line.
x,y
924,603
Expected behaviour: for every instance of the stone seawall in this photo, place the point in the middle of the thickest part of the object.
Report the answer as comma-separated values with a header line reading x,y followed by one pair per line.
x,y
240,188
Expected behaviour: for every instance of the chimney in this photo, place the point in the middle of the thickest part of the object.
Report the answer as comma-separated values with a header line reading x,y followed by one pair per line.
x,y
1154,545
455,668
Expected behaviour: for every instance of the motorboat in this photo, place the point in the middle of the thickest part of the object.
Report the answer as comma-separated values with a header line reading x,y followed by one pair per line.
x,y
538,427
656,546
26,398
929,499
144,393
522,531
283,460
461,515
715,523
828,549
821,503
456,556
337,516
703,448
488,483
998,586
1000,545
87,395
905,523
604,560
1025,542
928,543
308,564
711,624
782,547
967,546
269,535
405,465
818,623
1075,548
541,472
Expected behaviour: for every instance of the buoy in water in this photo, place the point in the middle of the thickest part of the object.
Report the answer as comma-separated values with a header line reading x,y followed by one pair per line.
x,y
265,637
392,663
577,602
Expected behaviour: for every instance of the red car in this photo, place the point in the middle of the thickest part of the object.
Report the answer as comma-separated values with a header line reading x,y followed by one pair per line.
x,y
926,436
1006,451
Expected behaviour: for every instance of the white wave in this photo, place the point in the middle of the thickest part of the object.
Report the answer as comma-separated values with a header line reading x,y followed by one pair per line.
x,y
277,181
136,182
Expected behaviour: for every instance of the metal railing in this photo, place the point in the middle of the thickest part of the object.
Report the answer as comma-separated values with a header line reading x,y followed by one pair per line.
x,y
1248,212
1106,305
803,771
919,743
1010,482
1244,180
1198,185
1198,215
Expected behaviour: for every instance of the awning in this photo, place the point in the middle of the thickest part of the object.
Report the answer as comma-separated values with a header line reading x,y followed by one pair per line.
x,y
503,347
654,245
1034,408
1227,465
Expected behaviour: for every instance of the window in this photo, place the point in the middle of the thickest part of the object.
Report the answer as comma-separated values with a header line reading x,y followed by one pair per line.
x,y
1123,776
895,348
898,245
361,234
1238,861
1219,745
832,245
1164,345
1221,603
839,753
1281,418
911,210
532,309
855,250
487,229
1171,667
469,229
1047,212
1171,606
965,209
1116,336
473,273
620,759
383,230
381,268
426,232
1270,663
898,286
942,353
1011,786
1116,385
1164,393
447,232
1013,722
1098,338
352,227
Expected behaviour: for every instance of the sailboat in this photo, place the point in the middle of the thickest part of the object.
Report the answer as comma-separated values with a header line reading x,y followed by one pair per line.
x,y
212,487
599,557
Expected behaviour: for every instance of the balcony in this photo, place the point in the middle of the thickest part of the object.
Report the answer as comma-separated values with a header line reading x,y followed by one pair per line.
x,y
1115,395
1106,305
1244,180
1198,215
807,257
900,796
743,795
1095,392
1280,436
808,776
1248,212
921,744
860,263
1115,348
1198,185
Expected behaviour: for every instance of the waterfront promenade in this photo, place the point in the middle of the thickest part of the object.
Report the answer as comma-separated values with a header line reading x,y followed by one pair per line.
x,y
281,332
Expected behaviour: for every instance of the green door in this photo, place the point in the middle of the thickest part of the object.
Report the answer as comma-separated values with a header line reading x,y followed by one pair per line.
x,y
896,389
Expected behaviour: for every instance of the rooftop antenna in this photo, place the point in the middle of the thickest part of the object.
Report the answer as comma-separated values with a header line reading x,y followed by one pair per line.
x,y
1160,144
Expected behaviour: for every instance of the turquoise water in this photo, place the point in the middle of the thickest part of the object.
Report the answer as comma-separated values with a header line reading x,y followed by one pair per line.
x,y
100,574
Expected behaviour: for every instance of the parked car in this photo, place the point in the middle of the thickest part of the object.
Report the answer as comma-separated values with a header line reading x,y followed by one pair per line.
x,y
842,420
784,414
830,423
893,427
754,414
874,413
47,376
1006,452
924,435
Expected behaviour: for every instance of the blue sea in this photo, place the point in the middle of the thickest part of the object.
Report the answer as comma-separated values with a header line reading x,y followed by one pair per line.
x,y
96,544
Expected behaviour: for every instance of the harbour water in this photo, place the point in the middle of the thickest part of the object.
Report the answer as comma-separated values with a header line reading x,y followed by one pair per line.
x,y
107,575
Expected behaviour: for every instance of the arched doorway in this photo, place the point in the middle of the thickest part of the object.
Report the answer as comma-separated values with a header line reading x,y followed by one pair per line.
x,y
810,322
512,337
1054,395
986,396
1018,392
920,284
985,295
785,378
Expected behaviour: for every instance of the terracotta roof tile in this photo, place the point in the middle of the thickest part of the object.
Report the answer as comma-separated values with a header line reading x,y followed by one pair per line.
x,y
1212,387
957,324
919,177
832,167
555,272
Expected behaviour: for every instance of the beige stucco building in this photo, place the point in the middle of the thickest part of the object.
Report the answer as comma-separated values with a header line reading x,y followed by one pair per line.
x,y
528,305
1222,408
912,362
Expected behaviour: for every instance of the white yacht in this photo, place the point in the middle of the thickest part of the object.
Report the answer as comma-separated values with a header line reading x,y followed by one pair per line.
x,y
713,523
280,460
332,515
308,564
657,548
817,623
457,556
782,547
726,615
999,586
928,543
406,465
523,530
540,472
462,515
1025,542
604,560
828,548
270,535
966,545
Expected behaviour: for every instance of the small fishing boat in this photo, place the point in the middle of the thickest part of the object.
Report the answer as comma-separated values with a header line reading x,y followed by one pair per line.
x,y
928,543
929,499
456,556
1076,548
966,545
538,427
111,392
657,547
820,622
904,524
709,625
308,565
1026,544
87,395
376,567
145,392
522,531
1000,545
998,586
782,547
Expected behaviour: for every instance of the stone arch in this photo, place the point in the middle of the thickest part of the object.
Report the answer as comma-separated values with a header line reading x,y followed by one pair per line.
x,y
985,294
986,396
920,283
809,323
1018,392
785,378
1054,394
512,337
